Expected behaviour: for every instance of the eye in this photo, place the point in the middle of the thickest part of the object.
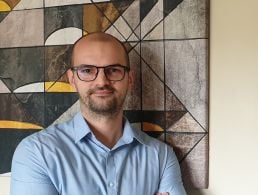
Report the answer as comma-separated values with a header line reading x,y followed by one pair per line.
x,y
114,69
87,70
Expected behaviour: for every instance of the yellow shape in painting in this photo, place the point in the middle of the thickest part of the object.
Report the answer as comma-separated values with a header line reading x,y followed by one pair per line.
x,y
18,125
151,127
4,6
58,87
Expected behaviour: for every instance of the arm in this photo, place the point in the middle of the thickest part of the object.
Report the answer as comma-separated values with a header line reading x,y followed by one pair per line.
x,y
28,174
171,181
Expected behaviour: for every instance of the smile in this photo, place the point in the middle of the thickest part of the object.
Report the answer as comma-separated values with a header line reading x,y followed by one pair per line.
x,y
103,93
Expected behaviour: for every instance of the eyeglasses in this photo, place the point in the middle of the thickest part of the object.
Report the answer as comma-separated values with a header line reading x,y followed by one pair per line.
x,y
114,72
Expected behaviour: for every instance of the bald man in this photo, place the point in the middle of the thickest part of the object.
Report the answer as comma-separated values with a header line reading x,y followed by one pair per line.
x,y
96,152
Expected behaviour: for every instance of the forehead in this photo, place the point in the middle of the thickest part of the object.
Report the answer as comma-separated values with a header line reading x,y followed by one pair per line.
x,y
99,52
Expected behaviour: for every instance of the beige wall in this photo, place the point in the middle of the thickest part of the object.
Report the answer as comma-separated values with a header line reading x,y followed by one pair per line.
x,y
233,100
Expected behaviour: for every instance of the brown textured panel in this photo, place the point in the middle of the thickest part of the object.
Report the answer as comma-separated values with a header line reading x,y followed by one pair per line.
x,y
185,124
98,17
12,109
57,61
22,28
109,10
172,102
133,100
195,166
12,3
152,90
153,55
173,116
182,143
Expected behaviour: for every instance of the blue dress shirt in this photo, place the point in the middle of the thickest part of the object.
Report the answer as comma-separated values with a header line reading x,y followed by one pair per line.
x,y
67,159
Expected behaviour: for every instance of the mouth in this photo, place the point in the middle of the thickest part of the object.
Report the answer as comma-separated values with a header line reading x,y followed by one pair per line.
x,y
103,93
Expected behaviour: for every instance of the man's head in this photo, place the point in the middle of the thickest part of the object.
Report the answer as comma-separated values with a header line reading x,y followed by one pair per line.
x,y
100,73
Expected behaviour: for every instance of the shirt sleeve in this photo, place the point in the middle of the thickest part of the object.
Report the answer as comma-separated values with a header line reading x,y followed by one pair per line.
x,y
171,180
28,173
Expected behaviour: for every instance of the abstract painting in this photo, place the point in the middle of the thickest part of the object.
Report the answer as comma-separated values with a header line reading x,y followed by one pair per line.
x,y
167,42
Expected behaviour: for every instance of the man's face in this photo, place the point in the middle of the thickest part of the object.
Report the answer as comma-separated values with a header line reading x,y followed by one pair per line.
x,y
100,96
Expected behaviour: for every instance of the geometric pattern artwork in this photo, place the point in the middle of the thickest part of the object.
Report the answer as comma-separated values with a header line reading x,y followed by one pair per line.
x,y
167,42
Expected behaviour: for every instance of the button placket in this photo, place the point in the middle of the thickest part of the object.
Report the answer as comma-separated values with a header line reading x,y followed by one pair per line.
x,y
111,175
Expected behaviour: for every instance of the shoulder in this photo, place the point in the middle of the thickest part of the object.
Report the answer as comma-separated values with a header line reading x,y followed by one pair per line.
x,y
52,137
155,145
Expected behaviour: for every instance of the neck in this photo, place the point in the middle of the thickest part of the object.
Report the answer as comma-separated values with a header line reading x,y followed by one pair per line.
x,y
106,128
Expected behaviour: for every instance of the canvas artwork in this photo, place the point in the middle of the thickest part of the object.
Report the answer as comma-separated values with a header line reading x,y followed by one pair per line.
x,y
167,42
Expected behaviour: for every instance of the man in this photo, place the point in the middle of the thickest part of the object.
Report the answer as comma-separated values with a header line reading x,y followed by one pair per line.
x,y
97,152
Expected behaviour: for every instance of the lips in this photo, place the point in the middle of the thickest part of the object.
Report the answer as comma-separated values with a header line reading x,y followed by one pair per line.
x,y
103,93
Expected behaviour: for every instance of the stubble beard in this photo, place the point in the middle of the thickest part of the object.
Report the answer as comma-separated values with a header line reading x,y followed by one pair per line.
x,y
103,106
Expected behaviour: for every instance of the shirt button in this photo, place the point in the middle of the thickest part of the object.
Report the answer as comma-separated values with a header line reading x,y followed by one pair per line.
x,y
111,184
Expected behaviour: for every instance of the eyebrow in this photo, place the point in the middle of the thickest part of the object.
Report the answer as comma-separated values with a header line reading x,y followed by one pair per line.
x,y
85,65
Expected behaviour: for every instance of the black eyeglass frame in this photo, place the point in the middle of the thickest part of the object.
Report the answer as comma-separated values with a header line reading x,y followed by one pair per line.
x,y
76,68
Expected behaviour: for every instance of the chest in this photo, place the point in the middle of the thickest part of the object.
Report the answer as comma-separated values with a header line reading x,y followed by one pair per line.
x,y
132,169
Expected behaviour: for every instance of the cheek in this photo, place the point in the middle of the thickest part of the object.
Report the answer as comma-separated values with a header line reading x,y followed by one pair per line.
x,y
81,87
122,87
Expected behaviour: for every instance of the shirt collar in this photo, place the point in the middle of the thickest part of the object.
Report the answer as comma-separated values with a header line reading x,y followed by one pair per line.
x,y
129,134
82,129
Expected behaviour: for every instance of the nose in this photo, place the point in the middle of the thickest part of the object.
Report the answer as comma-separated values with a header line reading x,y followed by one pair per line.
x,y
101,79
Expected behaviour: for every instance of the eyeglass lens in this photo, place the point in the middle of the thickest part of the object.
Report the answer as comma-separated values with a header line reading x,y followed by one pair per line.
x,y
112,72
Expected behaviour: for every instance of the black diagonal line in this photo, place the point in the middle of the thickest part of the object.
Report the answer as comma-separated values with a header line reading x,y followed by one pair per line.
x,y
149,66
186,109
131,35
168,88
133,31
133,47
120,15
56,80
184,157
141,19
152,28
4,15
170,7
108,19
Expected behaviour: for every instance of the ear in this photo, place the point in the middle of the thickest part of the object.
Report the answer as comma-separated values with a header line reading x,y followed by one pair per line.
x,y
70,75
131,79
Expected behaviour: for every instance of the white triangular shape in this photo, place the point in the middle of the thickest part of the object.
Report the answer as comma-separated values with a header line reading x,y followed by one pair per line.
x,y
111,30
137,49
4,88
64,36
133,37
67,115
133,44
29,4
156,33
123,27
30,88
153,18
132,14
